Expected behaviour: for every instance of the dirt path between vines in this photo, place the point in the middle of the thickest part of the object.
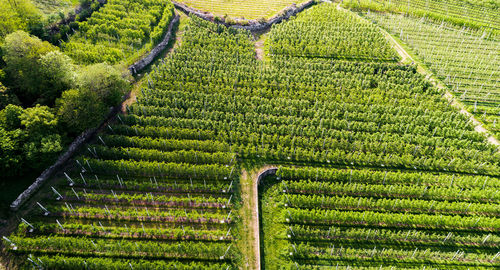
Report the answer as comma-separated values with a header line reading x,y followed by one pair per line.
x,y
132,98
401,51
255,221
260,39
250,217
250,222
259,49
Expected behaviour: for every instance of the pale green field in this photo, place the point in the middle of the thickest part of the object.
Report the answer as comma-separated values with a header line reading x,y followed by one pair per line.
x,y
50,7
248,9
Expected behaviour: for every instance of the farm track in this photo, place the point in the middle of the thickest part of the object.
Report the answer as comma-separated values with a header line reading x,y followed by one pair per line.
x,y
250,215
250,220
478,126
259,45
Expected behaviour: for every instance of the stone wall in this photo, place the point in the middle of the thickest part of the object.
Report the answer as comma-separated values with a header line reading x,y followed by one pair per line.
x,y
265,173
251,25
63,158
142,63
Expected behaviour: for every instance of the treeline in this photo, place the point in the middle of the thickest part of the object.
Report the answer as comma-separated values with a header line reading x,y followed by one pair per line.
x,y
47,100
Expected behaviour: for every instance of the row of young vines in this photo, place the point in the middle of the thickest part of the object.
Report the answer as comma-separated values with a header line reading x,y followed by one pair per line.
x,y
381,154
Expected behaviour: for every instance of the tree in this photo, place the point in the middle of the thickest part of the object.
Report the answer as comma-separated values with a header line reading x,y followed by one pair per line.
x,y
10,158
38,120
43,143
6,97
9,117
105,81
40,150
57,74
79,110
18,15
22,53
28,135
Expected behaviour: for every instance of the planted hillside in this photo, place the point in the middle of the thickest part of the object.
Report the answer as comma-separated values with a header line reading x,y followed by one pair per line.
x,y
52,7
381,218
478,14
325,31
377,169
120,30
466,60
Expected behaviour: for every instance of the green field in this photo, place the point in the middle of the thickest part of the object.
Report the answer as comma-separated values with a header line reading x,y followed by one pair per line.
x,y
54,7
120,32
248,9
467,61
330,33
376,168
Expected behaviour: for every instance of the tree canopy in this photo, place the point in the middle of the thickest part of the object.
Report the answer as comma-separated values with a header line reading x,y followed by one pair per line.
x,y
28,138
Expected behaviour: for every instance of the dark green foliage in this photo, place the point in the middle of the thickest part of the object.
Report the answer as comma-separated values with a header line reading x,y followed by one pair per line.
x,y
36,70
28,139
7,97
79,110
56,75
101,86
105,81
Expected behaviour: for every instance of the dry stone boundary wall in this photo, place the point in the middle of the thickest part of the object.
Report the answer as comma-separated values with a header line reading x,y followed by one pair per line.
x,y
144,62
251,25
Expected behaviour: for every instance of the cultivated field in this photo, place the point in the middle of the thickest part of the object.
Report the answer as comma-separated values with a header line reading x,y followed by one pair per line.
x,y
376,170
121,29
470,13
466,60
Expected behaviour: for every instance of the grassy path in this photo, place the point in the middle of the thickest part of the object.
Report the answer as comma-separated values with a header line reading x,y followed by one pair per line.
x,y
250,223
249,213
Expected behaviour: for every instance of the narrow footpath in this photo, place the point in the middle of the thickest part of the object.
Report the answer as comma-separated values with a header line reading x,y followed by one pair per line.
x,y
249,213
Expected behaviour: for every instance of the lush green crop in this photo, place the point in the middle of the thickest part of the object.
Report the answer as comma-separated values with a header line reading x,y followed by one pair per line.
x,y
342,215
380,151
467,61
120,30
476,14
325,31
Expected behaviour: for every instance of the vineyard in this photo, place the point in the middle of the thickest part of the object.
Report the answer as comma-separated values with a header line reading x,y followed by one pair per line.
x,y
476,14
331,33
365,217
467,61
376,169
122,29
